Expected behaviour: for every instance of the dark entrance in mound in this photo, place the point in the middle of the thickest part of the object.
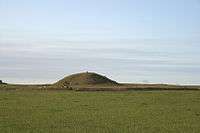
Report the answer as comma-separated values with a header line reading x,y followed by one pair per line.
x,y
1,82
87,78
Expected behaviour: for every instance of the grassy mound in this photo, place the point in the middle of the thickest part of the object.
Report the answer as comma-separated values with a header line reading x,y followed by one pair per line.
x,y
82,79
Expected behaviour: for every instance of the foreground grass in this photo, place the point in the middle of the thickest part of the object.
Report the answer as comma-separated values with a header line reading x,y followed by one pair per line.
x,y
117,112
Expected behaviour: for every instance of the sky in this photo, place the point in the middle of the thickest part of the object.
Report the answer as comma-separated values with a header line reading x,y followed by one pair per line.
x,y
141,41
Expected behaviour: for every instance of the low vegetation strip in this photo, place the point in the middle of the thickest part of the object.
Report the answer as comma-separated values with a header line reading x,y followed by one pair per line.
x,y
121,87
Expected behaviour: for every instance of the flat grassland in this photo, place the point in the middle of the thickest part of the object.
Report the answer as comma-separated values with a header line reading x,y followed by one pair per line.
x,y
46,111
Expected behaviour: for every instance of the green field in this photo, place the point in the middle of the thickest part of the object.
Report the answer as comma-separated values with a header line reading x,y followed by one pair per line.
x,y
38,111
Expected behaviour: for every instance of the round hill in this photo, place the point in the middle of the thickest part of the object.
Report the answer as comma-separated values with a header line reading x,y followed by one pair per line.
x,y
87,78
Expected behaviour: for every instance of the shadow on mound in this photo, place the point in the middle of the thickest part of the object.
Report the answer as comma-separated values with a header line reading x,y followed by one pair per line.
x,y
1,82
84,79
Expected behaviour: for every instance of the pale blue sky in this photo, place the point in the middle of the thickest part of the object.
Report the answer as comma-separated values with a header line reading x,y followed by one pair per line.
x,y
128,40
